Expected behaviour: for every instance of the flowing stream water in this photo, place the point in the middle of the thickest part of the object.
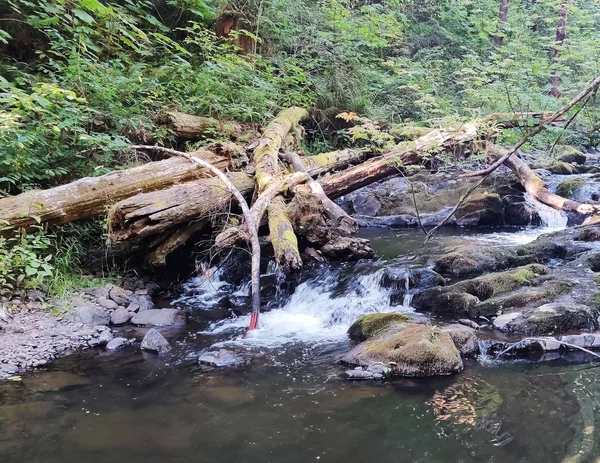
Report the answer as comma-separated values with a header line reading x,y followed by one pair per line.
x,y
291,405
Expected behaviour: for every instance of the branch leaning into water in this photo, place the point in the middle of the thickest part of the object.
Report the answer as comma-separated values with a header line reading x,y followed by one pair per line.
x,y
248,216
485,173
567,344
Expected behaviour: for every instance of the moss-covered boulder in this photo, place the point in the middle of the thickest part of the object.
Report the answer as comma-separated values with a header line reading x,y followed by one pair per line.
x,y
561,168
480,210
465,296
548,319
476,260
412,350
570,154
568,188
370,325
545,291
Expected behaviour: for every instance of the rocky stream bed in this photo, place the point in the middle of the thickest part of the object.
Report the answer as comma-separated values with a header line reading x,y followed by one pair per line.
x,y
508,294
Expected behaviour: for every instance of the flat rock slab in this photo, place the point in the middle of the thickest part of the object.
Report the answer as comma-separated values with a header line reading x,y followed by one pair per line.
x,y
159,317
117,343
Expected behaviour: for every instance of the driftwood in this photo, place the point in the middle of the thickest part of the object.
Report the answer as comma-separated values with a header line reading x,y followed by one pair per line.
x,y
534,185
149,214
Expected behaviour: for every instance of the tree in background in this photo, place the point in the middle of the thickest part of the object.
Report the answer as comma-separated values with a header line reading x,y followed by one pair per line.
x,y
502,18
561,36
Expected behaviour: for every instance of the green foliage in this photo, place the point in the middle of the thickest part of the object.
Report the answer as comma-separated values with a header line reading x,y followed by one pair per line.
x,y
25,260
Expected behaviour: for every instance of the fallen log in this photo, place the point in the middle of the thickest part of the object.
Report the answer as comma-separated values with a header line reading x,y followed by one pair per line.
x,y
91,196
266,165
535,186
156,212
192,128
407,153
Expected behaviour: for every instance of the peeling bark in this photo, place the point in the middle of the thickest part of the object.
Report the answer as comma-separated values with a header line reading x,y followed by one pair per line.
x,y
192,128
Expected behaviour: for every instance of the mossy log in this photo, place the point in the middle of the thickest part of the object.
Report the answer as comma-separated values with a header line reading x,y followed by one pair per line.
x,y
92,196
266,165
266,153
192,128
282,236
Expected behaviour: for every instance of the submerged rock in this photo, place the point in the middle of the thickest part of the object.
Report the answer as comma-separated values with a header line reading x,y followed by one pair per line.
x,y
155,342
411,350
221,358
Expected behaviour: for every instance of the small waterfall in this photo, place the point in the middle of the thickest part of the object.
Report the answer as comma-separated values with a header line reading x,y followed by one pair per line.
x,y
551,218
408,296
321,309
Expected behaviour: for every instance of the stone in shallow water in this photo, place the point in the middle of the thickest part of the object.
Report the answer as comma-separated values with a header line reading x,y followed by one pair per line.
x,y
464,338
116,343
155,342
411,350
547,319
221,358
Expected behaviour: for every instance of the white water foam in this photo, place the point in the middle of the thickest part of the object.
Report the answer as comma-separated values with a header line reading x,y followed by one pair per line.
x,y
317,311
551,218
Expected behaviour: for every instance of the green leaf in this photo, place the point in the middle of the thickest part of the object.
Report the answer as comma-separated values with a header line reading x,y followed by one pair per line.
x,y
29,271
85,17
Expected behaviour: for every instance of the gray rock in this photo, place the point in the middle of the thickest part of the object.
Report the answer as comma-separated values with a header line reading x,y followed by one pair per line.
x,y
464,339
469,323
107,303
159,317
155,342
98,292
116,343
133,307
359,373
9,368
221,358
105,337
90,316
119,295
501,322
120,316
548,319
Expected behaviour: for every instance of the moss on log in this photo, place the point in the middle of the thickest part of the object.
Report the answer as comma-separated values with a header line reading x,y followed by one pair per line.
x,y
266,154
282,236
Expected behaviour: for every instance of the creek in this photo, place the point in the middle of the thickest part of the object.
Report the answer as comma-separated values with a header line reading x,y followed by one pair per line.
x,y
291,405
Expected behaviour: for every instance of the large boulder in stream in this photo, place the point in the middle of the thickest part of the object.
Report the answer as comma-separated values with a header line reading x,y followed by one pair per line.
x,y
408,350
464,297
395,346
475,260
435,194
548,319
